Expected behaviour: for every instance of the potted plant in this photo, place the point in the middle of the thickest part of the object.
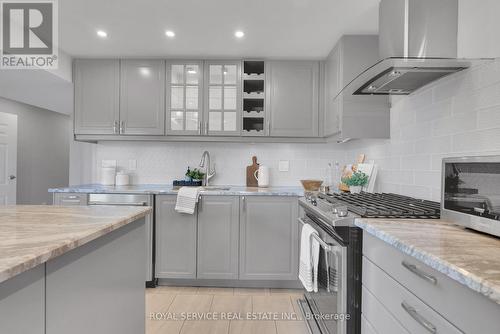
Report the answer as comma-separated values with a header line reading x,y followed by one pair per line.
x,y
356,182
195,174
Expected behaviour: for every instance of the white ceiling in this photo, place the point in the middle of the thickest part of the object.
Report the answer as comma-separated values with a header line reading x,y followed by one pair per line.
x,y
205,28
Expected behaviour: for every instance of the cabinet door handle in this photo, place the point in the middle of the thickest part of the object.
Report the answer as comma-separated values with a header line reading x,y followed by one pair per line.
x,y
115,127
269,128
200,202
419,318
420,273
244,200
199,128
206,128
122,127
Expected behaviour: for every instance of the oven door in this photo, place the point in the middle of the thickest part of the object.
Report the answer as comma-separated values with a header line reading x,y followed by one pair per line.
x,y
325,310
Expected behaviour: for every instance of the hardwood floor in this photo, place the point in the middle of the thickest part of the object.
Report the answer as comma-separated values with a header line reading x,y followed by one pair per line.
x,y
186,310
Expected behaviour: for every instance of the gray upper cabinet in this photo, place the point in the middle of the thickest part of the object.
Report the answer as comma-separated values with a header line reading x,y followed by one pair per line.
x,y
184,97
218,234
175,240
97,89
293,102
347,115
142,97
333,86
223,103
269,244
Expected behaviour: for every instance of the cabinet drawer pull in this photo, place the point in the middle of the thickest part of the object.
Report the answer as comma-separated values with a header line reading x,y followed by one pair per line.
x,y
70,201
122,127
418,318
420,273
115,127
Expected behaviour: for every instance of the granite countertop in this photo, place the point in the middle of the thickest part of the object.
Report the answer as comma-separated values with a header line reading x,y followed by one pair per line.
x,y
159,189
33,234
470,258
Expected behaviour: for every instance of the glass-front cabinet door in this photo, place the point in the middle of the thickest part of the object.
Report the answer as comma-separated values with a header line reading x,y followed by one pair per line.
x,y
184,97
223,102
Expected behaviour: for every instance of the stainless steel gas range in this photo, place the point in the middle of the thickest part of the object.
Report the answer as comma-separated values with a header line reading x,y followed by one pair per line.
x,y
336,307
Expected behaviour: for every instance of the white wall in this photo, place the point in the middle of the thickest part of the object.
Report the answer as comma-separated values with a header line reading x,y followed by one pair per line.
x,y
456,116
42,151
164,162
478,27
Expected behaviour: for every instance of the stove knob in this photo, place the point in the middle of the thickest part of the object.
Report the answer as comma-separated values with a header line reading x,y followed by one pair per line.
x,y
342,211
314,202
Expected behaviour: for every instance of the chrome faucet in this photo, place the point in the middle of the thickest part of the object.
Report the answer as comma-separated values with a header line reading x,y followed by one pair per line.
x,y
209,171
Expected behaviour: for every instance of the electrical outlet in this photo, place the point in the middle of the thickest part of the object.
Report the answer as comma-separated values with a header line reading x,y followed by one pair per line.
x,y
132,164
108,163
284,165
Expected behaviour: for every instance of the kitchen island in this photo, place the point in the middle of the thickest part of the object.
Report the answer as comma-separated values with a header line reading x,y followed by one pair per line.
x,y
72,269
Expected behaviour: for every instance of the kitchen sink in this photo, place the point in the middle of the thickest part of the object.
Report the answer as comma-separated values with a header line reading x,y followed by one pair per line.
x,y
216,188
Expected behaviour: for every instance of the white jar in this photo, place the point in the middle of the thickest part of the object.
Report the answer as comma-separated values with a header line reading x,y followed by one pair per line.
x,y
108,176
122,179
262,176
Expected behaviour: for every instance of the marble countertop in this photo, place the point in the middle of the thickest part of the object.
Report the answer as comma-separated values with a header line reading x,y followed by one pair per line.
x,y
33,234
470,258
159,189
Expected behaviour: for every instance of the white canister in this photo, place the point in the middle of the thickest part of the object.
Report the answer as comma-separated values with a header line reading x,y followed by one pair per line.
x,y
122,179
262,176
108,176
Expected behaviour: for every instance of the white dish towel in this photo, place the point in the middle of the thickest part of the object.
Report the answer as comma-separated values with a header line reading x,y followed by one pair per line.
x,y
309,257
187,197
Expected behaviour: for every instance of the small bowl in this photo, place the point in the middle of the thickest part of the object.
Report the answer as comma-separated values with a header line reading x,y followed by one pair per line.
x,y
311,185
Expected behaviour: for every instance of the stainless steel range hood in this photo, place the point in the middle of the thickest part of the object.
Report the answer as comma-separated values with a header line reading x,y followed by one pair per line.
x,y
417,45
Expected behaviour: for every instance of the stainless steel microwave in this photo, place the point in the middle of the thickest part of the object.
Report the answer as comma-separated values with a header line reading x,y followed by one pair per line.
x,y
470,192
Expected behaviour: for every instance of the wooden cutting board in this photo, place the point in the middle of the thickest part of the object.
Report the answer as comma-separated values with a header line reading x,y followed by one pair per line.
x,y
251,180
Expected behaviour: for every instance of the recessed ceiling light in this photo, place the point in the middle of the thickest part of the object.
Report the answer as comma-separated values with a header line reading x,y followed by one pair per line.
x,y
239,34
145,71
170,33
102,33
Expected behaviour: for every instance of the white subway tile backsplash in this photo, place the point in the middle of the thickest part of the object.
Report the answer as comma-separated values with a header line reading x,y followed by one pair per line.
x,y
488,118
435,111
427,179
163,162
456,123
481,140
416,131
416,162
433,145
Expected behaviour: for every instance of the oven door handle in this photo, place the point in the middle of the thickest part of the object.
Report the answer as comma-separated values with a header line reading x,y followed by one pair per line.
x,y
322,243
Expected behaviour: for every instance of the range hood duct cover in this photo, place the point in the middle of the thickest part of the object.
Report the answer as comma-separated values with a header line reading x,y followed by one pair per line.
x,y
417,45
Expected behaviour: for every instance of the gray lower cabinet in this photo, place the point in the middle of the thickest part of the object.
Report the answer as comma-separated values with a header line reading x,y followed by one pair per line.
x,y
22,303
97,91
269,242
218,234
175,240
293,98
142,97
98,287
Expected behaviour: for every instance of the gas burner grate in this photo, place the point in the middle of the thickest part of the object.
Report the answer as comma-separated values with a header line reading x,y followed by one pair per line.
x,y
386,205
